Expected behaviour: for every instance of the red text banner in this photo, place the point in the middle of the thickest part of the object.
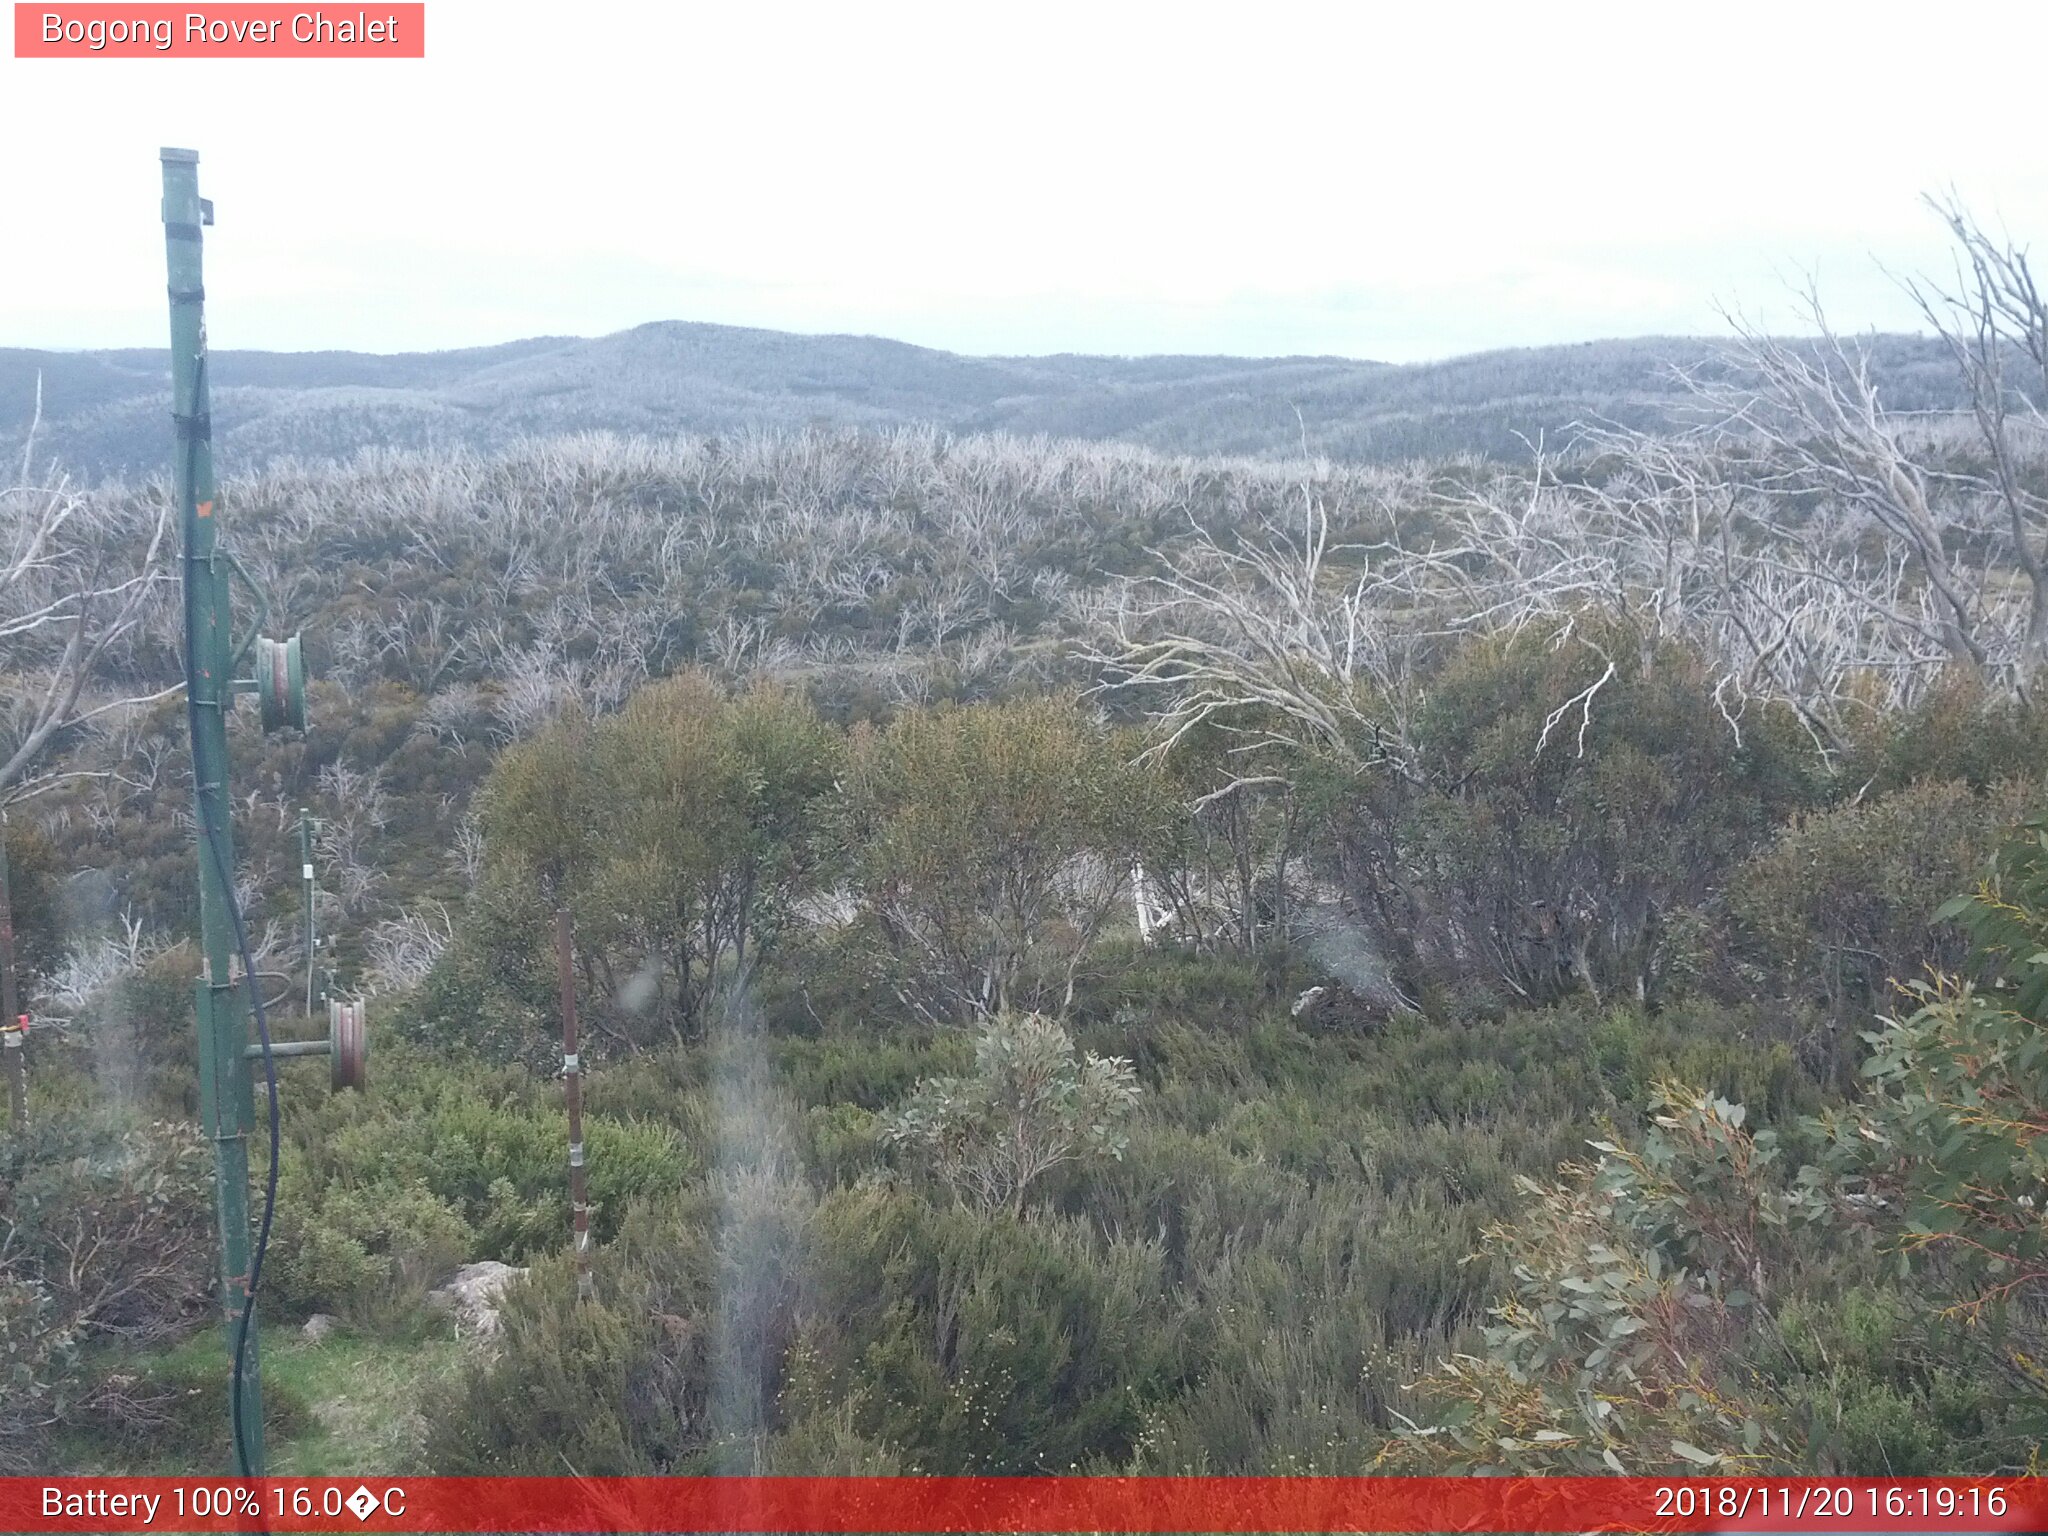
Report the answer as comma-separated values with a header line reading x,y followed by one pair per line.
x,y
1024,1504
224,31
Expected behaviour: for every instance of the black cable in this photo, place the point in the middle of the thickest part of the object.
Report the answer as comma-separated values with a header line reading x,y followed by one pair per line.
x,y
242,1326
224,872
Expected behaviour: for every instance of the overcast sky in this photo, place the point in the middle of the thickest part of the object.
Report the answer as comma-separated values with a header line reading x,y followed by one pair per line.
x,y
1388,181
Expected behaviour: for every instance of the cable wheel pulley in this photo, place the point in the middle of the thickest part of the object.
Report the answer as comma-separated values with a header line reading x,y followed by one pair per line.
x,y
348,1045
281,684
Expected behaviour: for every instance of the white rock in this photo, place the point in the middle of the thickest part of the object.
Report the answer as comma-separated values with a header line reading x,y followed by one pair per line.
x,y
472,1295
319,1326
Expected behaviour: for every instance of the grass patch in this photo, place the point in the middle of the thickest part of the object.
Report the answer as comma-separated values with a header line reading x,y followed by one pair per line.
x,y
362,1401
344,1406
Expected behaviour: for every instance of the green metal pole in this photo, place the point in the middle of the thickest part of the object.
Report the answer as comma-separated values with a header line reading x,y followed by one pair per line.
x,y
306,879
224,1077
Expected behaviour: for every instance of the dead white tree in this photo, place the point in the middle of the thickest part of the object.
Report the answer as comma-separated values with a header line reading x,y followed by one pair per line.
x,y
1663,530
1259,636
403,950
77,576
1820,546
1806,421
356,814
88,969
1995,324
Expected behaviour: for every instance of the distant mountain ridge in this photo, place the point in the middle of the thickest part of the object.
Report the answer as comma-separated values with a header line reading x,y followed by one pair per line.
x,y
104,412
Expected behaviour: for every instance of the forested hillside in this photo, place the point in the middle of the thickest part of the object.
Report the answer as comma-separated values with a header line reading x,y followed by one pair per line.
x,y
1091,958
103,410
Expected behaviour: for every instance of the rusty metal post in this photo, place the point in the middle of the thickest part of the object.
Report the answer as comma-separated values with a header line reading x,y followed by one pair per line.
x,y
13,1024
572,1086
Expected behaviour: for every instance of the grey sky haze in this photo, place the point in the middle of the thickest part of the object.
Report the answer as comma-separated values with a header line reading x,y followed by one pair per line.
x,y
1397,182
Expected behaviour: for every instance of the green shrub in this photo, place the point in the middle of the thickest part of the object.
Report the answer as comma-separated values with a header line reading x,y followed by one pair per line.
x,y
367,1254
676,1367
1961,731
106,1238
842,1142
996,844
35,869
111,1222
1844,900
1302,1328
133,1047
864,1067
826,1443
1635,1287
1029,1106
1548,850
170,1409
1752,1054
494,991
40,1378
681,832
972,1344
1946,1155
1874,1384
765,1219
609,1388
492,1146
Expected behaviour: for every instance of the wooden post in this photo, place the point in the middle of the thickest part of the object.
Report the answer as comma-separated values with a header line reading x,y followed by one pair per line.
x,y
12,1024
572,1084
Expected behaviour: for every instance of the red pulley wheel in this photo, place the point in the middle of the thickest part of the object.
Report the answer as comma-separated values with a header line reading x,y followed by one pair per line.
x,y
348,1045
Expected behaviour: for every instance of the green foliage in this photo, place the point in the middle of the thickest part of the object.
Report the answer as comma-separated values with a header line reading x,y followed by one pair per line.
x,y
1871,1382
1303,1315
490,1152
1948,1153
677,1365
970,1344
1030,1106
1634,1285
40,1377
111,1221
1960,731
1682,1305
494,990
105,1235
1845,899
609,1388
1551,849
681,832
1958,1130
1237,1269
168,1409
2007,916
35,866
1312,1197
369,1254
1221,870
869,1068
995,844
131,1048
